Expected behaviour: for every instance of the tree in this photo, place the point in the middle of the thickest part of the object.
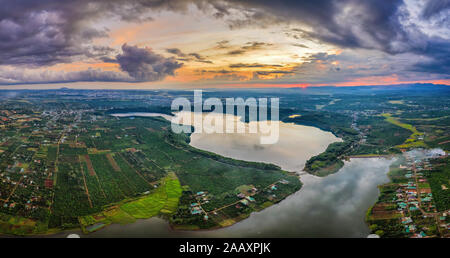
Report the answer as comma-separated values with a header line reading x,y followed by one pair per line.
x,y
373,227
379,232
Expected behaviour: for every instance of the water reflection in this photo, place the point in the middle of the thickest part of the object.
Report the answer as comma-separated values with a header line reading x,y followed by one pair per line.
x,y
296,144
333,206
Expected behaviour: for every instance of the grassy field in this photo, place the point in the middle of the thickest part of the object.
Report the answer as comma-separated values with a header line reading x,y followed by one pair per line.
x,y
163,199
20,226
412,141
394,121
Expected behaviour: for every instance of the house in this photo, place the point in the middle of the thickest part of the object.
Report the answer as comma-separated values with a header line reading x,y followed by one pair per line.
x,y
410,228
250,198
406,220
245,202
426,199
200,193
196,210
413,208
193,212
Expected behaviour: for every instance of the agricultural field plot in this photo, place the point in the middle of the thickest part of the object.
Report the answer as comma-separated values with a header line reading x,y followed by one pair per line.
x,y
439,182
70,196
17,225
162,200
112,162
439,141
415,140
430,130
383,211
120,170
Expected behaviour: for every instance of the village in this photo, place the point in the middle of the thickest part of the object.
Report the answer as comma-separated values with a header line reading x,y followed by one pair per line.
x,y
24,169
29,145
409,201
244,197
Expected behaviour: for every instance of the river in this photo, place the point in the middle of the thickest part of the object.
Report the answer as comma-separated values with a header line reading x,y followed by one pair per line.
x,y
332,206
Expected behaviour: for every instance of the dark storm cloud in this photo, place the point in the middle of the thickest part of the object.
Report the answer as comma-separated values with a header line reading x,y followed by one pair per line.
x,y
438,52
38,33
46,32
434,7
108,60
348,23
136,65
371,24
144,65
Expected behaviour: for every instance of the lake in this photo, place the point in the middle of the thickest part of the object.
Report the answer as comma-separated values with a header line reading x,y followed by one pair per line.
x,y
333,206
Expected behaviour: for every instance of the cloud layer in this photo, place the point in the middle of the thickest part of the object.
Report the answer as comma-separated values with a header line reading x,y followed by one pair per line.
x,y
136,65
39,34
145,65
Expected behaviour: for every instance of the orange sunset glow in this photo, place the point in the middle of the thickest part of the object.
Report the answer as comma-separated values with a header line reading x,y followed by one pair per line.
x,y
196,44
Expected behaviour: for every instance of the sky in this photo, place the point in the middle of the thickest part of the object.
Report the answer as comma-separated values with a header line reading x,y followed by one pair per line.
x,y
140,44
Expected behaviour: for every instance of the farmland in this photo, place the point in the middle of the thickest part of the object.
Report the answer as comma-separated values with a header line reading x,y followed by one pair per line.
x,y
65,163
413,140
163,199
88,173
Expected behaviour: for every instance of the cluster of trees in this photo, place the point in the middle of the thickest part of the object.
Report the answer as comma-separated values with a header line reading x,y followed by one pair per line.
x,y
390,228
438,177
330,159
234,162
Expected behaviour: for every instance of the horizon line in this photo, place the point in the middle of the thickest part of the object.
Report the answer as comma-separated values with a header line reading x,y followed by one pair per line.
x,y
235,86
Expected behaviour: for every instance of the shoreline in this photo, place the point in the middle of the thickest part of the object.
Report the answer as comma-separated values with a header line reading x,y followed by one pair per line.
x,y
237,219
173,228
